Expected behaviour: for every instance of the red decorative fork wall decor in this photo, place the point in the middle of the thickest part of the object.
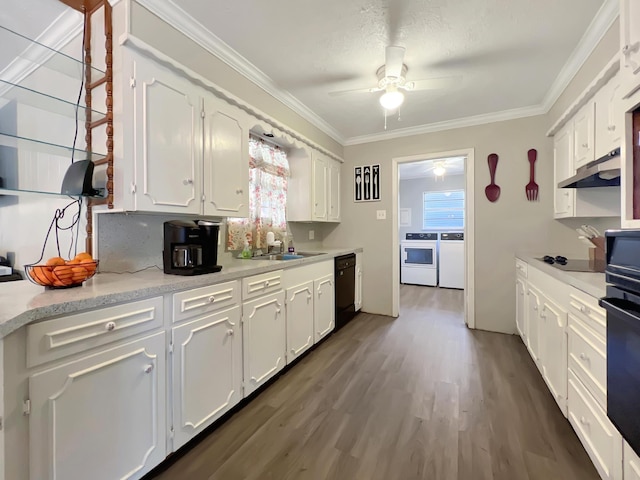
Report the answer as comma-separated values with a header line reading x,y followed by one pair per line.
x,y
531,189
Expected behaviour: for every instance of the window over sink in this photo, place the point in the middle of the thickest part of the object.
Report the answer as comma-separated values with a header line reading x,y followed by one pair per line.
x,y
268,179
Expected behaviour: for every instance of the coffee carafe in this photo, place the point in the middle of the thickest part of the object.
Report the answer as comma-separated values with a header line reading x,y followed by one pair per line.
x,y
190,247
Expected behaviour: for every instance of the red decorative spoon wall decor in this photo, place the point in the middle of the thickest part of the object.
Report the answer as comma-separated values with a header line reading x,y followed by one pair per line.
x,y
492,191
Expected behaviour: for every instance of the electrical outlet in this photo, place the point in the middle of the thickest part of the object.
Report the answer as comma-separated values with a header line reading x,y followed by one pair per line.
x,y
381,214
312,234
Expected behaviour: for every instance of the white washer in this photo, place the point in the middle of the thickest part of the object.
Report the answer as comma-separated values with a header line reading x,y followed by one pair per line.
x,y
452,260
419,259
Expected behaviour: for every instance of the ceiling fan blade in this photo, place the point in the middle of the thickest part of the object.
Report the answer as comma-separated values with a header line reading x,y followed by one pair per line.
x,y
394,57
436,83
356,90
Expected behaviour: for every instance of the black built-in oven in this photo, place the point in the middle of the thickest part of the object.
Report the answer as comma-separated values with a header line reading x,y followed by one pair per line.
x,y
622,304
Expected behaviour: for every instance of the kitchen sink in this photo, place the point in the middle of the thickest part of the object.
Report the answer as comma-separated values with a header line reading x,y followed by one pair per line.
x,y
286,256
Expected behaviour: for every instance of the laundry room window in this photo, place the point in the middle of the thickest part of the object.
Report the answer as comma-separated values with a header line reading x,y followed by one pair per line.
x,y
443,210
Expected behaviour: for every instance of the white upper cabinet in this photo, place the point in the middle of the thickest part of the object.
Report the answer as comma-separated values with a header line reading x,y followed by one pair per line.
x,y
320,185
563,156
314,187
334,191
168,138
630,44
226,159
608,118
584,135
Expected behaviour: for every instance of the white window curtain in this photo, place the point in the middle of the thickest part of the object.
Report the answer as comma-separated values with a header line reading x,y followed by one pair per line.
x,y
268,174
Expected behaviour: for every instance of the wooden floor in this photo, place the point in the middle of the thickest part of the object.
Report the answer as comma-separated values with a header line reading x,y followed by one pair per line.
x,y
417,397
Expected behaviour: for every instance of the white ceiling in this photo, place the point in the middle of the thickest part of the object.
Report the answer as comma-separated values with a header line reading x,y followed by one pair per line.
x,y
422,169
508,52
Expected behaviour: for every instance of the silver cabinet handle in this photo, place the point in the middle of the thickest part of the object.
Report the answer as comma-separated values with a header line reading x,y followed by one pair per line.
x,y
278,311
584,421
110,326
239,191
611,128
535,307
266,283
230,332
211,299
584,357
187,181
148,368
585,145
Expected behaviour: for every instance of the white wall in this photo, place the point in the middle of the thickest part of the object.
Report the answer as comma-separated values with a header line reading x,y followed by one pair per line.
x,y
410,196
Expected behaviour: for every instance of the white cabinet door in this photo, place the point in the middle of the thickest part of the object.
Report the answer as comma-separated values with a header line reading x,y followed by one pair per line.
x,y
319,187
226,160
521,309
608,128
553,346
358,293
264,339
324,307
631,463
334,191
584,135
102,416
630,42
563,158
207,372
299,300
168,139
533,323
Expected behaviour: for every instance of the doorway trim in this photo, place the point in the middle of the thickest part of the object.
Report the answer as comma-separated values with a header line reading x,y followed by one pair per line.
x,y
469,227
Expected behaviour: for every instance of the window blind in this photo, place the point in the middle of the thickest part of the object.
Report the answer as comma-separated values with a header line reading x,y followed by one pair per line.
x,y
443,210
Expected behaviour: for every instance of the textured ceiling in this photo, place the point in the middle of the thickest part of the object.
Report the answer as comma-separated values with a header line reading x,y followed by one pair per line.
x,y
508,52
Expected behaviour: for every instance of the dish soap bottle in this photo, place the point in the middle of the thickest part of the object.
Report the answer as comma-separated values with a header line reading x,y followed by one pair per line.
x,y
290,248
246,251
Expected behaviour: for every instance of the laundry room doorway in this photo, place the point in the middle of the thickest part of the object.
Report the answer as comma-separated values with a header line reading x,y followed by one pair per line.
x,y
433,238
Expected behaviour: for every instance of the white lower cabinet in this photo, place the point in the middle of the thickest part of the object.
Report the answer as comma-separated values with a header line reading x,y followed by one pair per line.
x,y
101,416
324,307
533,323
521,309
207,372
299,300
631,468
553,343
264,339
599,437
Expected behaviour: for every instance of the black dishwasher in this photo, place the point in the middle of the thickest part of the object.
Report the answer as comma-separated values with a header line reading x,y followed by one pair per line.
x,y
345,273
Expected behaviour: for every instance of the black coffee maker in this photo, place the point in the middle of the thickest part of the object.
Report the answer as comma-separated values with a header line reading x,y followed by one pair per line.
x,y
190,247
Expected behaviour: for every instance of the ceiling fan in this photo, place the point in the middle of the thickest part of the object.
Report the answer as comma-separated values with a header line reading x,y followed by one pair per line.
x,y
392,79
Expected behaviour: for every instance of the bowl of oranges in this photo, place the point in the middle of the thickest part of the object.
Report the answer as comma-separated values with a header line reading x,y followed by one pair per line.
x,y
60,273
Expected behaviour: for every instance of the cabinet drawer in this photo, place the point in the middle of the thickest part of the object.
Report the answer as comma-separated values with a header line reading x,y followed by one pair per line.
x,y
521,268
261,284
586,308
599,437
54,339
588,359
206,299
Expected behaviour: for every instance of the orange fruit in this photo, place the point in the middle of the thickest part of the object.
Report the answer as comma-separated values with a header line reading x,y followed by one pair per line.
x,y
75,261
89,266
83,256
55,261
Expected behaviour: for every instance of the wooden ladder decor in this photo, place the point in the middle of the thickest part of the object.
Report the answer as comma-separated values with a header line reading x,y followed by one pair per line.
x,y
88,8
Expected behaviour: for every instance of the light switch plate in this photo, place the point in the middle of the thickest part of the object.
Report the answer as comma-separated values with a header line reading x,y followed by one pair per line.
x,y
381,214
312,234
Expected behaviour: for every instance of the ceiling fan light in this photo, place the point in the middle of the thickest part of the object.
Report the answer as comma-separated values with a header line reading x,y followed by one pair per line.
x,y
439,171
391,99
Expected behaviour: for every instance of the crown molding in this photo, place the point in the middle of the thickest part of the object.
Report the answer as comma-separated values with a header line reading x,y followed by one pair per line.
x,y
449,124
600,24
187,25
57,35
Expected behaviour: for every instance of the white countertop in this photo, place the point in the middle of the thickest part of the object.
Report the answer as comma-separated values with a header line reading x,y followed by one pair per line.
x,y
23,302
591,283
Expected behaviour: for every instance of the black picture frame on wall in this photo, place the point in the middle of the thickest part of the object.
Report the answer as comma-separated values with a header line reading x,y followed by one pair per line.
x,y
366,187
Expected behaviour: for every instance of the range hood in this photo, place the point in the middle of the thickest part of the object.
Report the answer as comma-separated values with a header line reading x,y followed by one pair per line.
x,y
604,172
